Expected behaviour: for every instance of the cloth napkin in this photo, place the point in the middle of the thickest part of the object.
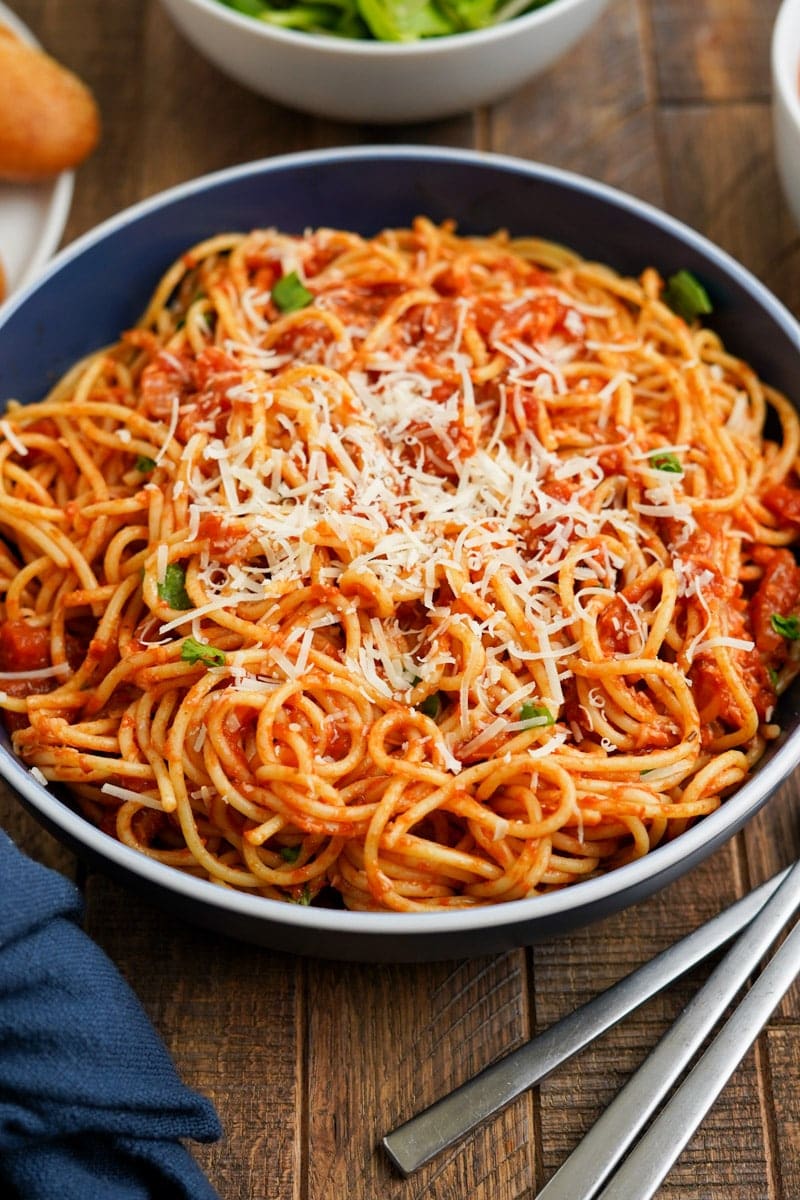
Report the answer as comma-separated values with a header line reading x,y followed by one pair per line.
x,y
91,1105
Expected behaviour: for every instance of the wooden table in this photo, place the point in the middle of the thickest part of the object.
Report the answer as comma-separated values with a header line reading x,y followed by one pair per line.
x,y
311,1062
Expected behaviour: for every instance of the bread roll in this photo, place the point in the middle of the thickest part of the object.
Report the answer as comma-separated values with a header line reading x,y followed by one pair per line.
x,y
48,117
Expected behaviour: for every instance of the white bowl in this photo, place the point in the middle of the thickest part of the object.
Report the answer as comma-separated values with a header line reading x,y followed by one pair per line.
x,y
80,303
786,100
368,81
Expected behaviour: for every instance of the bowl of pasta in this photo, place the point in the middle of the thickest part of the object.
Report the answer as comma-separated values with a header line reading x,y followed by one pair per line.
x,y
401,564
373,61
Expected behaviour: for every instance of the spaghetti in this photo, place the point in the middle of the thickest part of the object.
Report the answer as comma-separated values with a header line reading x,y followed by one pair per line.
x,y
418,571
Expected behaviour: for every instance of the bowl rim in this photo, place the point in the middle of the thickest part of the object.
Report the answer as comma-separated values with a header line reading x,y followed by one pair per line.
x,y
663,859
344,47
785,57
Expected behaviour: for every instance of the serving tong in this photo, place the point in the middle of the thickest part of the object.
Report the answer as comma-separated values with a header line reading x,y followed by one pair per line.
x,y
758,918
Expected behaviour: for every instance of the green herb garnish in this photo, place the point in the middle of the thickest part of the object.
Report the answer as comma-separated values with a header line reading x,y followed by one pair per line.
x,y
289,294
290,854
787,627
145,464
666,461
534,715
431,706
773,676
193,651
686,296
172,588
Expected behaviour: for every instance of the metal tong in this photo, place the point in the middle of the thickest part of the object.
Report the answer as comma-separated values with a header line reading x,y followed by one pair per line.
x,y
758,919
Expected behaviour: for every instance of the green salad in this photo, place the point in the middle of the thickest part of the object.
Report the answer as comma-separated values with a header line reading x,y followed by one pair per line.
x,y
384,20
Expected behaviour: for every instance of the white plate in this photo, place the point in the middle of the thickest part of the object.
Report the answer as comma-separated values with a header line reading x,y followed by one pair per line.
x,y
32,215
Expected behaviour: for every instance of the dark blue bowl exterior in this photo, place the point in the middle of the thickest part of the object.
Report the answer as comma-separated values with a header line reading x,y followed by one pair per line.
x,y
100,287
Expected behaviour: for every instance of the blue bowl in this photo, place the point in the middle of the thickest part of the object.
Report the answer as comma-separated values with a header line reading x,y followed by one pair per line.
x,y
100,284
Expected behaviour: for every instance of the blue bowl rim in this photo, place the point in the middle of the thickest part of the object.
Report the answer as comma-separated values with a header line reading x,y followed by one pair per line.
x,y
632,878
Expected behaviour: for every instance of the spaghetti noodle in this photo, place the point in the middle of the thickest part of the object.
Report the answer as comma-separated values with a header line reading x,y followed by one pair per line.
x,y
425,570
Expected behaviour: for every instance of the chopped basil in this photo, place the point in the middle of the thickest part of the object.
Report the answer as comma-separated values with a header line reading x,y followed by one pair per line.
x,y
145,464
773,676
666,461
172,588
686,296
289,294
535,715
193,651
305,896
431,706
787,627
290,854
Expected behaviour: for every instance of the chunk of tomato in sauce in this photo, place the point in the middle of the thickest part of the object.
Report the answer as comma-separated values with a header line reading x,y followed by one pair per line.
x,y
23,647
778,593
784,502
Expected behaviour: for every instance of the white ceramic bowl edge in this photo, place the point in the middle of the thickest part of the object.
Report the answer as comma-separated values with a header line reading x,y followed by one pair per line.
x,y
380,82
786,101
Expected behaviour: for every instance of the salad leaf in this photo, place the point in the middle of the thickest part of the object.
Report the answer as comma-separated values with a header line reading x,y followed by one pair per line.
x,y
468,14
384,20
307,18
250,8
403,20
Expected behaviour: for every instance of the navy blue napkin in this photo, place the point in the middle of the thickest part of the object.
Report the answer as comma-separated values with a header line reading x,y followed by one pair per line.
x,y
91,1106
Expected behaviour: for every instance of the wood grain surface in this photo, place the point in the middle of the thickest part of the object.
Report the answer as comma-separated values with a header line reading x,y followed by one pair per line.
x,y
310,1063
